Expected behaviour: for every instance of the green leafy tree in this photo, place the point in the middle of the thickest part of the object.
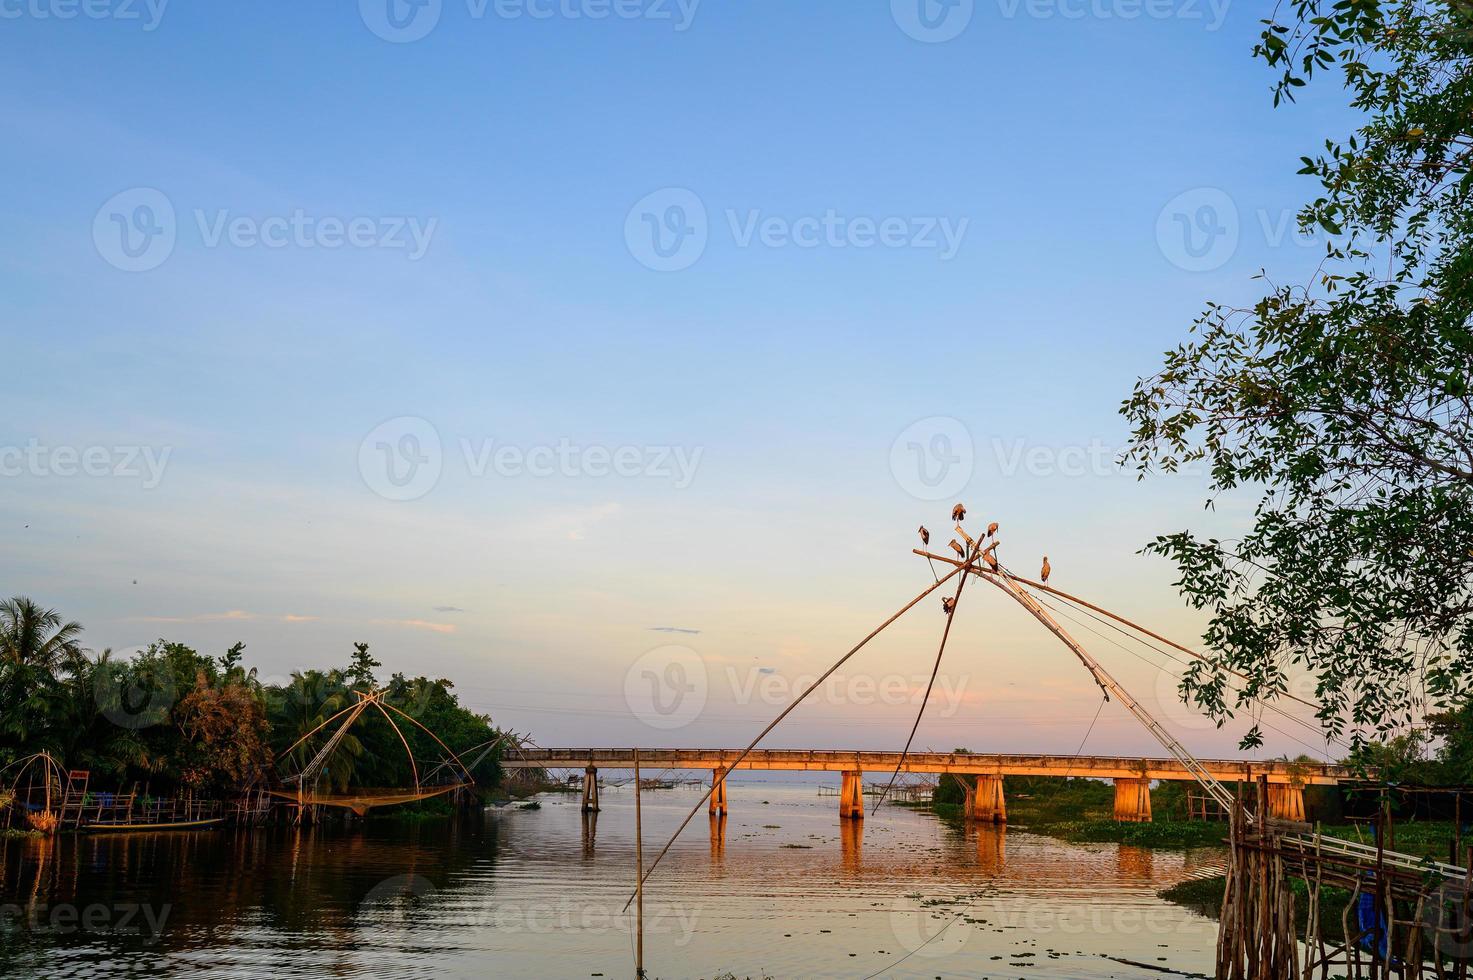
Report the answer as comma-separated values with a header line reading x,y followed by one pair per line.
x,y
360,668
1343,403
39,652
302,707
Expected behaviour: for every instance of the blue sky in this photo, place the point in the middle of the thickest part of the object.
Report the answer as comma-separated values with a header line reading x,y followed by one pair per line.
x,y
758,389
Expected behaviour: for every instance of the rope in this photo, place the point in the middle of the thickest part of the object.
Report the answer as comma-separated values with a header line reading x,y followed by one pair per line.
x,y
935,669
781,715
1079,751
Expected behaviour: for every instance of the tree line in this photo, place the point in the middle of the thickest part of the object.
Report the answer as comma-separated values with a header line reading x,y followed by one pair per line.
x,y
172,718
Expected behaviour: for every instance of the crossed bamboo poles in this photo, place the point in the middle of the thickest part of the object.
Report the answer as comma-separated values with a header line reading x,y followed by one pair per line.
x,y
353,711
1013,586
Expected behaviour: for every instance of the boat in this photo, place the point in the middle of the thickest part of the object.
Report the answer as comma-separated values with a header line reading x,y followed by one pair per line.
x,y
208,823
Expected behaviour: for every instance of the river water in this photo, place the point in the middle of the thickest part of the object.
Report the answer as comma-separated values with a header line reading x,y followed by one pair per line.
x,y
779,889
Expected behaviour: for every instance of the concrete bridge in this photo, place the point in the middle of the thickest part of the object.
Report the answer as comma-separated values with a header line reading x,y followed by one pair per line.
x,y
985,800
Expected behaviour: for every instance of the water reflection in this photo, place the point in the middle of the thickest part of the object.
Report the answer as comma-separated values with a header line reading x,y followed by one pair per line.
x,y
992,847
542,892
590,833
851,837
718,838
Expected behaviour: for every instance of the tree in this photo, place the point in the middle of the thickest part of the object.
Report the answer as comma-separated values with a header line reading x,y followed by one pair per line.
x,y
1343,403
38,653
232,658
360,668
225,736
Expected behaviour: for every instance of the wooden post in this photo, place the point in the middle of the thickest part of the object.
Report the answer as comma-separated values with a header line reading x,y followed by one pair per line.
x,y
1286,801
851,796
1133,800
718,793
987,802
638,877
590,790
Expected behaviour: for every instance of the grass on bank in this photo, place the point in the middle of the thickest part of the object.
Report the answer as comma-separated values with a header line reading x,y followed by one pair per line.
x,y
1082,811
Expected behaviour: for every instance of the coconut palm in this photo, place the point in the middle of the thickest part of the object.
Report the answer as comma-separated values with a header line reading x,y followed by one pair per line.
x,y
37,649
34,637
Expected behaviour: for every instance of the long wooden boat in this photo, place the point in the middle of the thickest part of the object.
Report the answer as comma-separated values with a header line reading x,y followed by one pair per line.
x,y
113,828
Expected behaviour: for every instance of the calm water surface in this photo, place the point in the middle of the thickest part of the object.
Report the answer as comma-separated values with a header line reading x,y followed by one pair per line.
x,y
781,889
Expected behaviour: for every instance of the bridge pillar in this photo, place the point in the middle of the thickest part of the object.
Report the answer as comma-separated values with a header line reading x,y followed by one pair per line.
x,y
851,796
590,790
1286,801
986,802
718,793
1133,800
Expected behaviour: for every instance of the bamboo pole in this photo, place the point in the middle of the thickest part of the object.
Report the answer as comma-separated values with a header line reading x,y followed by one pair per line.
x,y
956,599
638,876
1119,619
785,712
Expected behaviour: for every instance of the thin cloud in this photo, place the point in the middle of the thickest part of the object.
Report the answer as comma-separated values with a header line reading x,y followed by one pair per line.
x,y
231,616
673,629
444,609
418,624
234,614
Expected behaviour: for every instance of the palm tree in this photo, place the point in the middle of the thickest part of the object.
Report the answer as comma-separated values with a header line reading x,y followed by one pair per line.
x,y
303,706
34,637
36,649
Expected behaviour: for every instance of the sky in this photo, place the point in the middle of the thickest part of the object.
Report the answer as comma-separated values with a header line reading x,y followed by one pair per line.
x,y
603,356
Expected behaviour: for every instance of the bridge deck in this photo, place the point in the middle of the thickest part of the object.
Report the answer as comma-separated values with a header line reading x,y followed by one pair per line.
x,y
829,760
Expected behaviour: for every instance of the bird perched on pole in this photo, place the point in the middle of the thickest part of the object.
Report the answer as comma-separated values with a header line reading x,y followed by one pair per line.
x,y
959,513
1043,574
992,529
947,604
960,551
925,535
